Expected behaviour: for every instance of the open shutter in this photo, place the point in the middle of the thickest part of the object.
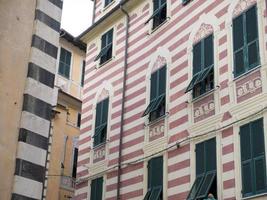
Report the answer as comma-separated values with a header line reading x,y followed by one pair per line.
x,y
195,188
206,184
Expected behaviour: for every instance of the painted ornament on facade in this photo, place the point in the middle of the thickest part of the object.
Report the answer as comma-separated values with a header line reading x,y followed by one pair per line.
x,y
156,130
242,6
99,154
203,31
248,86
146,7
104,94
204,108
160,62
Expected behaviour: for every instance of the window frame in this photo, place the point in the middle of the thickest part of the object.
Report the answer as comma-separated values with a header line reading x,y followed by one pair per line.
x,y
198,80
107,3
104,49
252,159
65,64
157,13
159,101
245,44
97,180
101,129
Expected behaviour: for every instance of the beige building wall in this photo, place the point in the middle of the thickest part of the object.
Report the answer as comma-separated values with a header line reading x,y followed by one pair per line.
x,y
16,23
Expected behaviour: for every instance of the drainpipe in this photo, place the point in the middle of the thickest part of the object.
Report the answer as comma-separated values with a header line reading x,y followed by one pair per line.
x,y
123,99
93,17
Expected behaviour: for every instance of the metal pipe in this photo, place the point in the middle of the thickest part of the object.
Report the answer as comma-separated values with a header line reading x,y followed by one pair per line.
x,y
123,99
93,17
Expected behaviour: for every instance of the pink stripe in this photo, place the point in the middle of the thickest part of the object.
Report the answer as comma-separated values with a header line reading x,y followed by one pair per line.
x,y
227,132
178,108
178,166
179,55
82,196
178,151
222,12
228,166
83,162
126,170
179,122
84,151
223,69
222,40
223,54
225,100
178,136
125,183
85,140
179,196
229,184
179,181
179,81
228,149
177,95
224,84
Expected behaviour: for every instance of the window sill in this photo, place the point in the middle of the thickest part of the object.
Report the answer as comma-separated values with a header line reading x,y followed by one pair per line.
x,y
246,73
157,120
255,196
100,145
104,63
202,96
159,26
64,77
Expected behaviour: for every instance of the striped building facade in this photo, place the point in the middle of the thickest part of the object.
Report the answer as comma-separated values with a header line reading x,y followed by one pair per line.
x,y
214,124
38,99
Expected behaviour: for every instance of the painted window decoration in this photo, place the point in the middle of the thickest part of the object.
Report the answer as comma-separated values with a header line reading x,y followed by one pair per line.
x,y
156,107
107,2
106,47
101,122
97,189
155,179
159,13
253,165
203,67
64,63
206,181
246,41
83,73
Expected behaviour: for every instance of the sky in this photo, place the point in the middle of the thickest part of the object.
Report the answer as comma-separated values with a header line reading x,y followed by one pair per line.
x,y
76,16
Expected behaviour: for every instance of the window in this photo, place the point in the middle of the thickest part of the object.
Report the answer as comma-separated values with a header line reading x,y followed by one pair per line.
x,y
156,107
159,13
107,2
253,158
106,47
75,159
246,42
185,2
83,72
79,120
64,63
155,179
101,122
97,189
205,181
203,72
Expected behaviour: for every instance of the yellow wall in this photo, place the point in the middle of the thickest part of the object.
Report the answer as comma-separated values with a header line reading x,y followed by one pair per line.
x,y
64,124
16,23
74,82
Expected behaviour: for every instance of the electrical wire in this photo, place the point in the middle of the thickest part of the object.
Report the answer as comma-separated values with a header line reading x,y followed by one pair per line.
x,y
176,144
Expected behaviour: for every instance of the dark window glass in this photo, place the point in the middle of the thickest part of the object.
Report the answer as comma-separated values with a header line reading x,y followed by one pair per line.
x,y
75,160
83,74
64,63
253,158
101,122
79,120
245,41
107,2
160,12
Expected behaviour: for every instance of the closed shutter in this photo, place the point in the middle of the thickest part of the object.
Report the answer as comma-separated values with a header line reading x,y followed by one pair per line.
x,y
155,172
208,51
153,86
200,159
97,189
210,155
197,65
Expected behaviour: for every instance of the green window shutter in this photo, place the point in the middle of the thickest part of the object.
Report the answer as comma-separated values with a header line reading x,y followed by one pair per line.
x,y
251,24
257,136
155,172
206,185
99,188
105,111
162,80
246,168
154,86
260,174
98,114
200,158
245,142
197,65
93,195
210,155
195,188
238,33
156,193
64,63
208,51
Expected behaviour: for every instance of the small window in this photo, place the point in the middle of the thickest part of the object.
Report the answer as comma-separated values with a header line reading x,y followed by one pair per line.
x,y
156,107
106,47
83,73
75,160
101,122
185,2
203,72
64,63
97,189
79,120
107,2
253,166
246,42
205,181
155,179
159,13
